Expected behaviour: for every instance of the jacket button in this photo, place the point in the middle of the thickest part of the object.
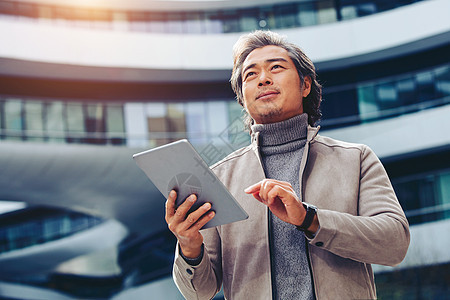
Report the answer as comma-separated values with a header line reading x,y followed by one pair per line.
x,y
319,244
189,271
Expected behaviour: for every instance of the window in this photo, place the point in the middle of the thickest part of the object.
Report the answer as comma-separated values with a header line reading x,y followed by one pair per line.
x,y
13,119
115,124
340,104
194,23
235,134
157,125
217,119
74,116
443,183
352,8
425,86
248,20
213,23
367,100
27,9
31,226
34,120
196,122
386,95
53,121
267,18
95,124
230,21
307,14
2,110
406,91
176,121
82,17
425,197
120,21
285,16
138,21
158,22
175,23
442,81
326,12
349,12
45,12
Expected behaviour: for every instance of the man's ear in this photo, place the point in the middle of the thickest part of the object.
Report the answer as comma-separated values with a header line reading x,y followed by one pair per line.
x,y
306,86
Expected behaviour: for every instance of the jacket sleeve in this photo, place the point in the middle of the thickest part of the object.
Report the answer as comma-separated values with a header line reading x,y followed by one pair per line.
x,y
204,280
379,233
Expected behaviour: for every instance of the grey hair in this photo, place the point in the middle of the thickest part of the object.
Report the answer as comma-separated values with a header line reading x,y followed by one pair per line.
x,y
305,67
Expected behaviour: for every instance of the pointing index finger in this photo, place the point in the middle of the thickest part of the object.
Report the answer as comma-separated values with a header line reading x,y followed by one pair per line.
x,y
253,188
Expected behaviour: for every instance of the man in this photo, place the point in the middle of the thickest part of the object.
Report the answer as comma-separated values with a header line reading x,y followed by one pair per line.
x,y
320,210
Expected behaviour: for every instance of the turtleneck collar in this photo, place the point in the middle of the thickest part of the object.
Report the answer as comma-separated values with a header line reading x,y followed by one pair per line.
x,y
282,132
290,134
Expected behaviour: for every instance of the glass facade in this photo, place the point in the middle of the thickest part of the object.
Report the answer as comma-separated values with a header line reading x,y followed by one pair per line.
x,y
13,122
386,97
60,121
214,126
404,91
147,259
154,123
32,226
274,16
424,197
426,282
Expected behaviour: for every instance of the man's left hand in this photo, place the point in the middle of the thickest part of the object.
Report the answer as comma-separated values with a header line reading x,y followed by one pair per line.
x,y
281,199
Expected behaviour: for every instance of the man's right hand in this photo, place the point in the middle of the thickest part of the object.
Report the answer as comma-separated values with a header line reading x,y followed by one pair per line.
x,y
186,226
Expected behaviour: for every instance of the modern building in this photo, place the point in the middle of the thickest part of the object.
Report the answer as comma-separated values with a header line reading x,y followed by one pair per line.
x,y
86,84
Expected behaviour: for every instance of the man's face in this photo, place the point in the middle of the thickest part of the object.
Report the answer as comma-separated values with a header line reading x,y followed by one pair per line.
x,y
271,85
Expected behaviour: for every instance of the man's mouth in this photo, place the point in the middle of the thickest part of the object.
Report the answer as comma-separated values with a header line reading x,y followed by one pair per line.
x,y
266,94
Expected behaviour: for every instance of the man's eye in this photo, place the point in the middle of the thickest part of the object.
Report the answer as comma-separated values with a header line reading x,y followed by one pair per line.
x,y
249,74
276,67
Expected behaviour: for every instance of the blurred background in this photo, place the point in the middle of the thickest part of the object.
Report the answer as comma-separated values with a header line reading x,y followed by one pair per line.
x,y
86,84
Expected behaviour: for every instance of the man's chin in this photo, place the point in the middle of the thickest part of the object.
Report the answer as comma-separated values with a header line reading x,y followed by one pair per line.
x,y
268,117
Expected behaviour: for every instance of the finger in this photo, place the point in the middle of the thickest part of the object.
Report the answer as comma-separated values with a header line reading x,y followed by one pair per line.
x,y
279,182
266,186
182,210
277,193
195,216
170,205
204,219
256,195
284,195
257,186
286,185
253,188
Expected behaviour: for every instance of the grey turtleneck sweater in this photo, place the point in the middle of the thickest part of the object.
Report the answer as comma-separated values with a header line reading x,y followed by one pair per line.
x,y
281,148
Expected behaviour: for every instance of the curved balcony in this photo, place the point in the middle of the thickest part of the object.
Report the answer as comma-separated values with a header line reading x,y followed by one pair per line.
x,y
47,42
201,17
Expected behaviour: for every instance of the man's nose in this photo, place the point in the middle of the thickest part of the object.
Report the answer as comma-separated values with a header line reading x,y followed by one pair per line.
x,y
264,79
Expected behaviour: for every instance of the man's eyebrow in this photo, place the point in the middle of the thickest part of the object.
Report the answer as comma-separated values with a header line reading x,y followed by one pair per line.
x,y
276,59
248,67
270,60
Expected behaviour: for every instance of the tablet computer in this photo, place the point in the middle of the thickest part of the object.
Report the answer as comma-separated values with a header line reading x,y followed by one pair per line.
x,y
178,166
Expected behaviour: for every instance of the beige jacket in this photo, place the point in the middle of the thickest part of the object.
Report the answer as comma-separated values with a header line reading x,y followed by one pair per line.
x,y
361,223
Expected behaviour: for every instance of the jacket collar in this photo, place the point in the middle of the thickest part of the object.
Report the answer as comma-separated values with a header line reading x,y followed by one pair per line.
x,y
312,133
